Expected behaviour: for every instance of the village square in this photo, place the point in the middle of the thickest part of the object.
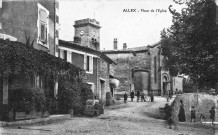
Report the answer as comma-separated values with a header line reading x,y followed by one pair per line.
x,y
52,85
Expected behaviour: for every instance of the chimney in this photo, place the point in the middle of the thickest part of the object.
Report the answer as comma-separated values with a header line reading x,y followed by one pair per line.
x,y
124,46
115,43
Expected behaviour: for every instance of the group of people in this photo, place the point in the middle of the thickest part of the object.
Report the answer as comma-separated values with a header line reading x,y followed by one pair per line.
x,y
138,94
181,114
202,117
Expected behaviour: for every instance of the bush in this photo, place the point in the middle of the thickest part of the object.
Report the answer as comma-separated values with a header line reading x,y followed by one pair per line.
x,y
189,87
73,95
51,105
24,99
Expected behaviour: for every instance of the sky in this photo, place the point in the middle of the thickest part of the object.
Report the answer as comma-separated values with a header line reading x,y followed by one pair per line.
x,y
136,29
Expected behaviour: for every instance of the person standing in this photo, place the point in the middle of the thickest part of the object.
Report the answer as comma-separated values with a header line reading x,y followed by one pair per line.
x,y
132,94
142,97
125,97
167,111
168,115
170,94
212,114
193,116
152,96
181,114
138,94
176,91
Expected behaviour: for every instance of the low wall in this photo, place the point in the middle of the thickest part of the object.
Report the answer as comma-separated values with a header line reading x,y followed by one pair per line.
x,y
202,102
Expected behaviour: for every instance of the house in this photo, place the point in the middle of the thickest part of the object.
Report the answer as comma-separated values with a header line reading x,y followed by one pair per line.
x,y
95,63
141,69
34,23
84,52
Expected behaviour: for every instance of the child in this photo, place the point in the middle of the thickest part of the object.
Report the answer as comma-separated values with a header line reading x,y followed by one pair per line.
x,y
138,94
125,97
212,114
193,117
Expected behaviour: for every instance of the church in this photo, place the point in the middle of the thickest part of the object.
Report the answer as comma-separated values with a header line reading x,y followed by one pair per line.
x,y
141,69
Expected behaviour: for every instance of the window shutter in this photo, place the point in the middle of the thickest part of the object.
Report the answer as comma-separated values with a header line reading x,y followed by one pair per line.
x,y
46,36
0,3
42,31
85,56
93,88
91,64
43,17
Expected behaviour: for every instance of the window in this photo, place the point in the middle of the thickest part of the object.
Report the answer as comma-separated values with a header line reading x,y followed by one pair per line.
x,y
57,4
59,52
57,19
88,63
43,32
0,3
65,55
94,40
155,69
92,86
43,15
57,33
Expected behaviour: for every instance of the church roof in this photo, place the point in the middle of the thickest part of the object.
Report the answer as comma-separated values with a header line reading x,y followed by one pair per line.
x,y
133,50
128,50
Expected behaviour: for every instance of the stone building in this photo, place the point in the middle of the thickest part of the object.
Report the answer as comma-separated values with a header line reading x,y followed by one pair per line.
x,y
128,60
87,33
84,52
35,23
37,20
95,64
141,69
160,78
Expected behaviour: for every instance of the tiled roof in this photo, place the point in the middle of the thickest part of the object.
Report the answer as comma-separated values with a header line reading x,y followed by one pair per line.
x,y
85,49
128,50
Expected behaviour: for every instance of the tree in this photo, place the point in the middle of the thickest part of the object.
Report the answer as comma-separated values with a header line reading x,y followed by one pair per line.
x,y
190,45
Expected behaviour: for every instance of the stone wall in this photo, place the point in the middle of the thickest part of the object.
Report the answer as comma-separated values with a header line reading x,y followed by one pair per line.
x,y
155,79
103,77
157,72
125,65
202,103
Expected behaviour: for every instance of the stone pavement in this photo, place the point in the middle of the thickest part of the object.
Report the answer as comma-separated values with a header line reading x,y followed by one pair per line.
x,y
122,119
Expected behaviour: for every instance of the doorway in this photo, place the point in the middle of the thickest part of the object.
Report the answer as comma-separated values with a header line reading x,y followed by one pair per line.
x,y
165,85
102,87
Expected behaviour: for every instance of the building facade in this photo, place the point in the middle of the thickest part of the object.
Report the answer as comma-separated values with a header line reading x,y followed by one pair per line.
x,y
141,69
36,22
87,33
130,62
84,53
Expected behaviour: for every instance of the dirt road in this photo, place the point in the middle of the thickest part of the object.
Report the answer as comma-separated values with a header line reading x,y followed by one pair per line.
x,y
124,119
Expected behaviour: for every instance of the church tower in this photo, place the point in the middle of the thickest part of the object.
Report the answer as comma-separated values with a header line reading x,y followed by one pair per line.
x,y
87,33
